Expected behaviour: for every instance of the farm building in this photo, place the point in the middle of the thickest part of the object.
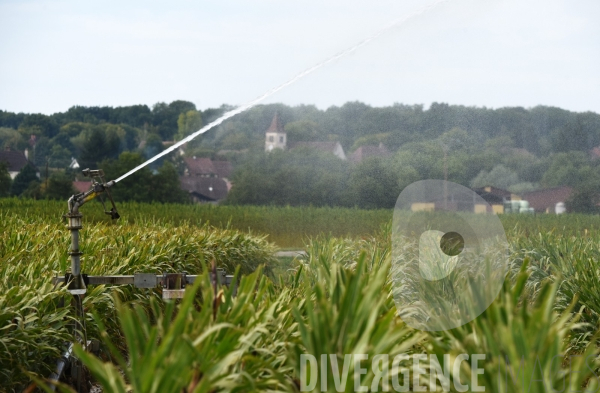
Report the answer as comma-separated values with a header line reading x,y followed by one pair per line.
x,y
494,197
545,201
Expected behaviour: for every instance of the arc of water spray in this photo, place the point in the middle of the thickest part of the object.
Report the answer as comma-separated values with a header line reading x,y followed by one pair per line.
x,y
274,90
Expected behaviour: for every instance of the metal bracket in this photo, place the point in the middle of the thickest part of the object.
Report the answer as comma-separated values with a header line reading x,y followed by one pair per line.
x,y
73,287
173,285
144,280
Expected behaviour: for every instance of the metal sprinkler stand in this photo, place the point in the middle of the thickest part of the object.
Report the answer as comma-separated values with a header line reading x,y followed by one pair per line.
x,y
173,284
99,186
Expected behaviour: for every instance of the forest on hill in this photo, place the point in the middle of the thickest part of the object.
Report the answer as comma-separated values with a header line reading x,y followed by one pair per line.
x,y
519,149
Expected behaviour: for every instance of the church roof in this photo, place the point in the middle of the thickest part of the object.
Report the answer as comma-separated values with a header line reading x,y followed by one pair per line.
x,y
276,125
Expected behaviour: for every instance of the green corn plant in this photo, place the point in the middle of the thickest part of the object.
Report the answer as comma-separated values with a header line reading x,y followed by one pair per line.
x,y
524,344
572,262
348,310
35,316
206,343
286,226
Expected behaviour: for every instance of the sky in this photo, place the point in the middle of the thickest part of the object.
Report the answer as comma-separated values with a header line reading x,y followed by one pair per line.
x,y
492,53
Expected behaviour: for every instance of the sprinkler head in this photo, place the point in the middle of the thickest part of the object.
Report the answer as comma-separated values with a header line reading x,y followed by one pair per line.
x,y
93,172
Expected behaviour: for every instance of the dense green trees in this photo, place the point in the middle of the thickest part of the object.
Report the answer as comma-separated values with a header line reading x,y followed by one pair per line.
x,y
164,117
305,176
23,180
60,186
12,139
188,123
373,184
59,156
144,186
297,177
27,185
568,169
500,176
97,144
5,180
40,125
518,148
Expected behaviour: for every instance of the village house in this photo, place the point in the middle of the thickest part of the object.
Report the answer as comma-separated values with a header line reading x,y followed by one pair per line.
x,y
206,180
15,161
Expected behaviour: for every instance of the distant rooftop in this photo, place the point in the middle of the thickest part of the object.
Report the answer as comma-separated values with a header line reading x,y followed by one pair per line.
x,y
198,166
15,160
209,189
82,186
368,151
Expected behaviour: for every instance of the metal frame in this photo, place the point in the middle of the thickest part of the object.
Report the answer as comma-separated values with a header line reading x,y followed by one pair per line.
x,y
173,284
142,280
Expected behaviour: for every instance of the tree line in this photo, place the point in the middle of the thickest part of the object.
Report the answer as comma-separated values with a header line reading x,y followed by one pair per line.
x,y
520,149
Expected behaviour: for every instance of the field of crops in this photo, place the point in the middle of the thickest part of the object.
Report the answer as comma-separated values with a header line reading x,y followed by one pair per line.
x,y
336,300
288,227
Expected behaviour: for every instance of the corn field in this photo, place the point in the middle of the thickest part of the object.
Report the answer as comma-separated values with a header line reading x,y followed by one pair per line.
x,y
34,316
288,227
539,335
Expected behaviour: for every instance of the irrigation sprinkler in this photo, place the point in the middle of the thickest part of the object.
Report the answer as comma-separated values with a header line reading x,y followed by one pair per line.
x,y
173,284
76,285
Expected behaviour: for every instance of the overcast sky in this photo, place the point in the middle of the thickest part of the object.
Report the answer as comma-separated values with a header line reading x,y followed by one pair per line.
x,y
494,53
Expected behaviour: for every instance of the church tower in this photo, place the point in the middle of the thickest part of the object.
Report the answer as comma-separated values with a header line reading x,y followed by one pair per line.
x,y
276,137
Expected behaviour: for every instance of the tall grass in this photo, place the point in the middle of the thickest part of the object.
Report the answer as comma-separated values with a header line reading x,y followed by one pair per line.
x,y
34,315
338,300
525,343
288,227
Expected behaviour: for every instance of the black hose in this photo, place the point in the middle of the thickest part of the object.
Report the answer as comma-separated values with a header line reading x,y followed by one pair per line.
x,y
60,366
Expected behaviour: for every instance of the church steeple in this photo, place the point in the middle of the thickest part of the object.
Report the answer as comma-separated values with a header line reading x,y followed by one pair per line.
x,y
275,137
276,125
